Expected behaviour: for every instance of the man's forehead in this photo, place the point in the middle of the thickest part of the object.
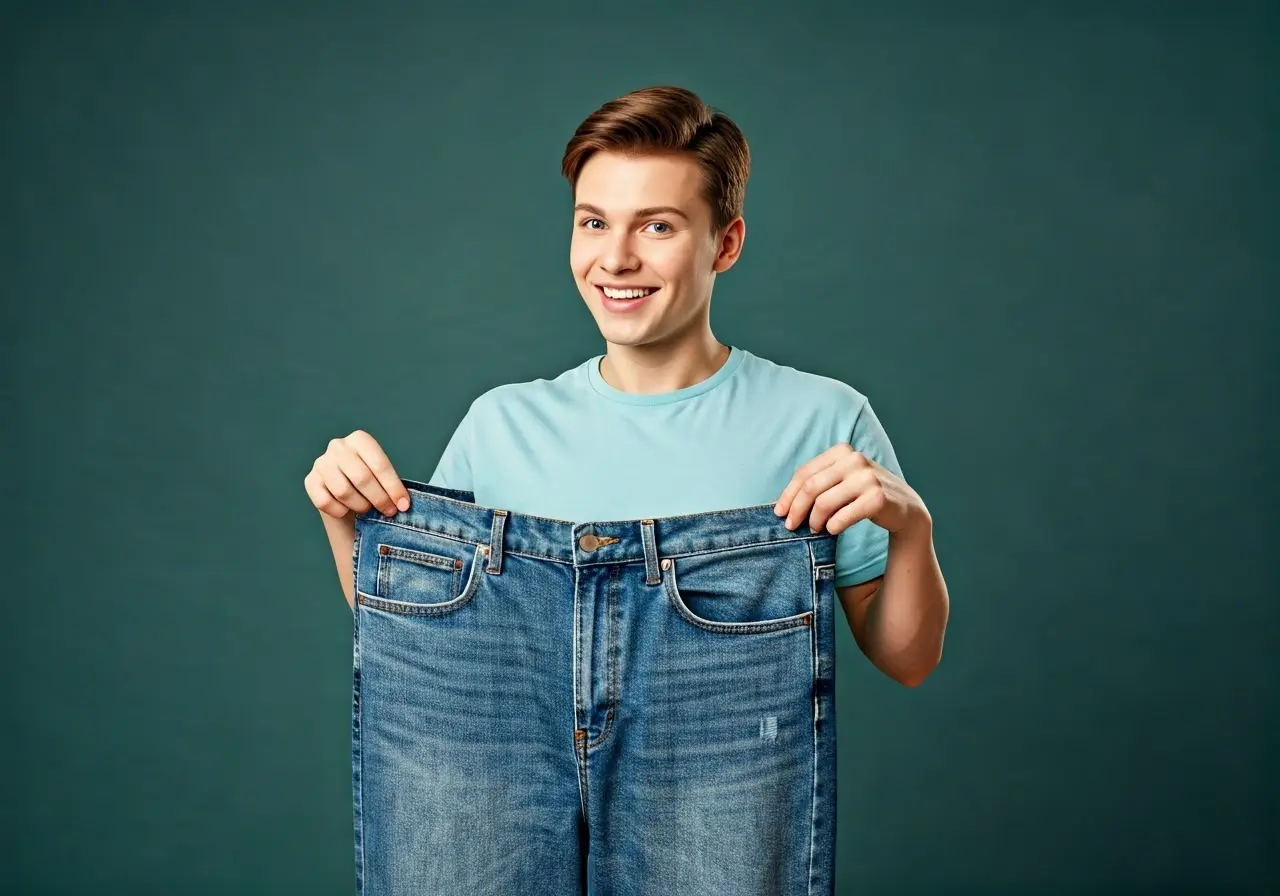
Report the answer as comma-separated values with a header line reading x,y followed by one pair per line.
x,y
667,174
623,186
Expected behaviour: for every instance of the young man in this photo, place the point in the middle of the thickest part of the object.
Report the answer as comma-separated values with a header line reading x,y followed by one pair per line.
x,y
589,635
670,421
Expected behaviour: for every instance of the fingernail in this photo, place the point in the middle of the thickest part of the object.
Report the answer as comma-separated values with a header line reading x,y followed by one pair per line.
x,y
777,508
403,503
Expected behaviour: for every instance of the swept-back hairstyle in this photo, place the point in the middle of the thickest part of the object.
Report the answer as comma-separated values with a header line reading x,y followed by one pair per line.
x,y
669,120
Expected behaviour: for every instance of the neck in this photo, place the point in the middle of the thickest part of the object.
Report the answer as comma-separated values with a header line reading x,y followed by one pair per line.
x,y
655,368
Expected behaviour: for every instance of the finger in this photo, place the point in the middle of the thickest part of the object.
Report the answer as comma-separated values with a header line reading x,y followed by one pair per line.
x,y
809,491
340,487
365,483
865,506
822,461
380,465
799,509
322,498
830,502
845,461
376,460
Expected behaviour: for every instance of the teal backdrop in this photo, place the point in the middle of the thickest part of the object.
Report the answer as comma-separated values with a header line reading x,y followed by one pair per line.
x,y
1042,239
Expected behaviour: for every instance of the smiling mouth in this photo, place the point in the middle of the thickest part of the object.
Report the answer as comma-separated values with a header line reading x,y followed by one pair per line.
x,y
625,295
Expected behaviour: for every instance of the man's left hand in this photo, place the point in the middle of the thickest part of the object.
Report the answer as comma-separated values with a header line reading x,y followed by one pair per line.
x,y
841,486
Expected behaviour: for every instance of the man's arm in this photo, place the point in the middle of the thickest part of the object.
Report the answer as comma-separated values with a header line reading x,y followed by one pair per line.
x,y
899,619
342,539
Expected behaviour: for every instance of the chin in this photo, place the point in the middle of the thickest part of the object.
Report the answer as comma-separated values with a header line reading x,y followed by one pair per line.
x,y
623,338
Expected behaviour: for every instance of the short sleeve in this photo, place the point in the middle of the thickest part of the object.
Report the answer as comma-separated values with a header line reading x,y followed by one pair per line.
x,y
454,468
862,550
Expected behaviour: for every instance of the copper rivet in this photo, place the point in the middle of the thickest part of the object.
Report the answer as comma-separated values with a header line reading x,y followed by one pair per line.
x,y
666,564
457,564
384,549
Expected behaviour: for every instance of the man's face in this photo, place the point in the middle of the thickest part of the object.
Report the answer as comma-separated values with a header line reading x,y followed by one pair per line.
x,y
668,249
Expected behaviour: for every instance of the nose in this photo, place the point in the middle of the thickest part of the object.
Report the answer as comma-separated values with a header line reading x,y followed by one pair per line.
x,y
618,255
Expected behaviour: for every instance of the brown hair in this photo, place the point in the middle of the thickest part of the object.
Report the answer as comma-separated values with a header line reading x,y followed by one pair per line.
x,y
669,120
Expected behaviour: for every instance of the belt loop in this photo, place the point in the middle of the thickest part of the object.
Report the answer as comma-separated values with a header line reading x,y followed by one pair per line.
x,y
495,542
651,575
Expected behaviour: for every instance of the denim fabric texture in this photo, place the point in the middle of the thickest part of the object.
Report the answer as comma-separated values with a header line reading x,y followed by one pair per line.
x,y
640,707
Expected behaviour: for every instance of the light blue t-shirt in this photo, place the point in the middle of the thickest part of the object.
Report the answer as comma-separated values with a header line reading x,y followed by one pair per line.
x,y
575,448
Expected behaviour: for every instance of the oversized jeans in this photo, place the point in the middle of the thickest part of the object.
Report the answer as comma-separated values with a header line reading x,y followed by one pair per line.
x,y
656,695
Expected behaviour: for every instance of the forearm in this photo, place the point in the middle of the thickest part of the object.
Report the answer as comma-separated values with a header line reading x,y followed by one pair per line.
x,y
342,538
907,617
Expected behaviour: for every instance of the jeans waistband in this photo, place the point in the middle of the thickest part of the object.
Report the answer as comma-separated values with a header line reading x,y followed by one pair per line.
x,y
453,513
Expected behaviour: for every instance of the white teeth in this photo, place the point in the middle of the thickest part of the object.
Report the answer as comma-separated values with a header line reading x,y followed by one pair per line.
x,y
625,293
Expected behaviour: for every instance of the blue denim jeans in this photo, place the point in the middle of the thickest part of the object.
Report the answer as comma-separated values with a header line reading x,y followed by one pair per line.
x,y
641,707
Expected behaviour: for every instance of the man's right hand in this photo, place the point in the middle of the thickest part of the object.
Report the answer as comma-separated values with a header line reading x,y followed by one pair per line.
x,y
353,475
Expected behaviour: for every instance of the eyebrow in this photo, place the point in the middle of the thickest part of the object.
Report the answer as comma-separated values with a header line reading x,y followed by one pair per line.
x,y
639,213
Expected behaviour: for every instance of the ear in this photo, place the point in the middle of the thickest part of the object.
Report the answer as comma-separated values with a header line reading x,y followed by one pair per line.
x,y
729,245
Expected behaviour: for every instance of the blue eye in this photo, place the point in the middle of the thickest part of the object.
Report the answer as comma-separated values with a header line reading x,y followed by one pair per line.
x,y
662,224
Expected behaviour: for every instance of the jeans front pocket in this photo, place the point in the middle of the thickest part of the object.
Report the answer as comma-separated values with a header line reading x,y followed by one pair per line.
x,y
423,574
743,591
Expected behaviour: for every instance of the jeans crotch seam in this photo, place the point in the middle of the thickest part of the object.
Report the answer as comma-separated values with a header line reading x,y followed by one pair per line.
x,y
580,760
651,575
604,732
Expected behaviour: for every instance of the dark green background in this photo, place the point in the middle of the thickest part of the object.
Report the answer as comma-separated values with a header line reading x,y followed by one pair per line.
x,y
1042,241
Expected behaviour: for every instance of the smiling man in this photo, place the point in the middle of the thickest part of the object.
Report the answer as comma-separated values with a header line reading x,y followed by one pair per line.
x,y
668,420
604,628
